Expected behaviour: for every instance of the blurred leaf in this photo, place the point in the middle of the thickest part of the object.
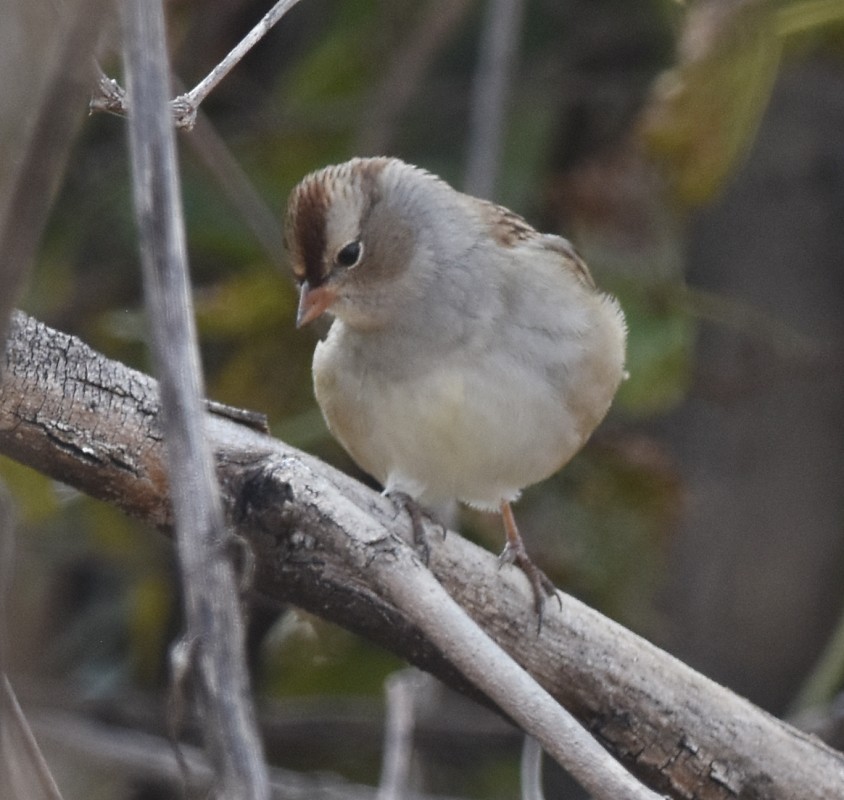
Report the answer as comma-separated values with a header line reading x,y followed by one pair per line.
x,y
34,494
802,15
703,115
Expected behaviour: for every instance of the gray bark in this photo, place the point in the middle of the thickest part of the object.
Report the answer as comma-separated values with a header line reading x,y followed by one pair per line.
x,y
321,540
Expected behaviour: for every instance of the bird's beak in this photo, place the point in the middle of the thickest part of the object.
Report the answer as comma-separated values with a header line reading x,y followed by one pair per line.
x,y
313,302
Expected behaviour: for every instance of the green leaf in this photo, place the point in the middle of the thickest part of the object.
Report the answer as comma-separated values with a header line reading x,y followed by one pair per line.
x,y
705,113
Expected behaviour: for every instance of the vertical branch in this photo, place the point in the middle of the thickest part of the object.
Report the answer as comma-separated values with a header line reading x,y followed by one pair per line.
x,y
401,689
496,65
210,588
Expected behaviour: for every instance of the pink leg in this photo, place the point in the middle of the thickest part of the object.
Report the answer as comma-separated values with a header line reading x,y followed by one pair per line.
x,y
515,553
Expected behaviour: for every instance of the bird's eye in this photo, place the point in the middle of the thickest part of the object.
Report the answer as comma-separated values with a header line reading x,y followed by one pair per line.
x,y
349,254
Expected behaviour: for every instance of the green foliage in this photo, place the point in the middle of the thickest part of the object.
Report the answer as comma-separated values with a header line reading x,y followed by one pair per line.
x,y
706,111
660,346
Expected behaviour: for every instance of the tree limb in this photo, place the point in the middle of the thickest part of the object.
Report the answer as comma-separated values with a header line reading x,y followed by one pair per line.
x,y
316,534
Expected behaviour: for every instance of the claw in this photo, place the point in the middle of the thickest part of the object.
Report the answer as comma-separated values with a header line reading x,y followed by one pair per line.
x,y
514,552
417,522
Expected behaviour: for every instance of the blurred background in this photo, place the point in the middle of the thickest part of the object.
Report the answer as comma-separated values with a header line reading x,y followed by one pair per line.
x,y
694,154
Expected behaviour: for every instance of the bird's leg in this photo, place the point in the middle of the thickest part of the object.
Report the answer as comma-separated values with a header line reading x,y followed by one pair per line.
x,y
417,522
515,553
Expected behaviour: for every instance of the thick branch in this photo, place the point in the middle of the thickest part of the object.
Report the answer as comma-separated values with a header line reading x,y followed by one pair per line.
x,y
93,423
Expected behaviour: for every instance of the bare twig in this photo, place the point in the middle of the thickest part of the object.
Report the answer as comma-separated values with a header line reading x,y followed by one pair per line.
x,y
413,589
112,98
109,95
186,105
211,596
493,78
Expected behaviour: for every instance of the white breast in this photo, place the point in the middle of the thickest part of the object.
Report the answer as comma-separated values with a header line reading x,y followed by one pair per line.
x,y
480,423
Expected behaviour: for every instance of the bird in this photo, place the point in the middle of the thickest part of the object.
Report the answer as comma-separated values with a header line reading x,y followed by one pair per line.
x,y
469,356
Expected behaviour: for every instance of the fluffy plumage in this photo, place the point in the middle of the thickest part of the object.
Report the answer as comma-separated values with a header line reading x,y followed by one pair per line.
x,y
470,355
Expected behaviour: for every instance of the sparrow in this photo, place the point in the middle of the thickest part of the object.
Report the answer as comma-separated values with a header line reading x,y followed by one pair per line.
x,y
469,357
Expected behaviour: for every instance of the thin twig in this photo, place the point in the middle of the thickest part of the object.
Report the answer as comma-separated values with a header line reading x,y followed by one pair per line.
x,y
412,587
195,96
110,96
238,188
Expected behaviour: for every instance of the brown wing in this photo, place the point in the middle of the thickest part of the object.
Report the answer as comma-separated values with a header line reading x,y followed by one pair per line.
x,y
571,260
505,226
510,230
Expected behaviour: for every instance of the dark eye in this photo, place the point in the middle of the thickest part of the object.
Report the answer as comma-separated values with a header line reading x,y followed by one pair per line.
x,y
350,254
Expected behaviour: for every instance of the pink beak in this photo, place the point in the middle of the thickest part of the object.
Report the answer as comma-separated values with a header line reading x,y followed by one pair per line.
x,y
313,302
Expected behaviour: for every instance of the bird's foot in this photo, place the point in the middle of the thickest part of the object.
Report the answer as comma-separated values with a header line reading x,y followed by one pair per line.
x,y
515,553
540,583
417,515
